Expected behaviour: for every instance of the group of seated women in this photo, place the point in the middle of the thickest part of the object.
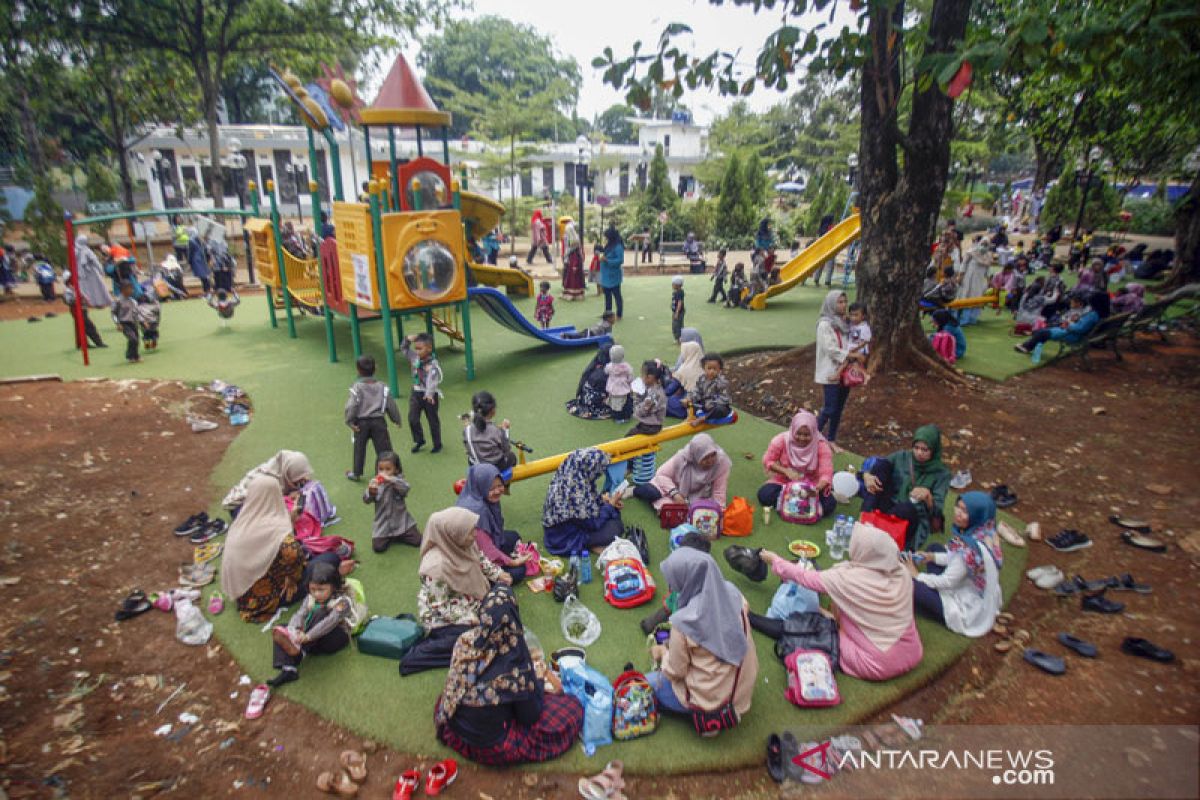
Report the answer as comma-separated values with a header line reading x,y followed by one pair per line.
x,y
503,705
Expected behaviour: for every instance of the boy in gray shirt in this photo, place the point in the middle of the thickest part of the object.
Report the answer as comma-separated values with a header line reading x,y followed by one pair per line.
x,y
369,401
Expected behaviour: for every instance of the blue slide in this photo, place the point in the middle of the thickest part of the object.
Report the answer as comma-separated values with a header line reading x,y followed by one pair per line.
x,y
500,308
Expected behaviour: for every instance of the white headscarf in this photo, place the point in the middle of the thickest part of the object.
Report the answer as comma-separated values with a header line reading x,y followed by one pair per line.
x,y
690,367
829,311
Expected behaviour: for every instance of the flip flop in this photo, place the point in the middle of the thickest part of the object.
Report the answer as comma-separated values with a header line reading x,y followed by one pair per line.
x,y
1143,542
207,552
1045,662
258,701
196,575
355,764
775,758
337,783
133,605
1126,583
1139,525
604,785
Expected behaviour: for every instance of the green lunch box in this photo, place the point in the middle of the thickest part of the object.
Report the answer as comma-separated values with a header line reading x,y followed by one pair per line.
x,y
390,637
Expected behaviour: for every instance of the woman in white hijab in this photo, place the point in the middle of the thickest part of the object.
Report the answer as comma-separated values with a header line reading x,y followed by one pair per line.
x,y
974,280
833,345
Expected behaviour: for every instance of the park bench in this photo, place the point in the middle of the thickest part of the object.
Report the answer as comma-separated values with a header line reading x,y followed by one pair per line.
x,y
672,249
1151,318
1102,336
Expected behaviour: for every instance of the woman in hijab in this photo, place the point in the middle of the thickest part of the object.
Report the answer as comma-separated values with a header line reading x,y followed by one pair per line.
x,y
687,335
92,291
798,454
198,259
612,270
1130,299
575,516
494,709
690,367
832,351
961,586
710,659
573,278
872,595
481,494
975,279
911,484
764,238
538,240
699,471
263,562
454,574
591,399
290,469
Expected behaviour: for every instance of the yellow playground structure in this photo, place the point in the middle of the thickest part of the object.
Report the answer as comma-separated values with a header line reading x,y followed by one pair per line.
x,y
838,238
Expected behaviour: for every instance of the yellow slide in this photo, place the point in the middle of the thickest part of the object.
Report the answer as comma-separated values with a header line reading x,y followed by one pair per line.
x,y
513,281
481,214
838,238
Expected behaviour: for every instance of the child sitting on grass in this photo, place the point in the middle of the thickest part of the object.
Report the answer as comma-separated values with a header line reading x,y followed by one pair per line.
x,y
620,376
320,626
388,490
545,305
603,328
710,399
651,409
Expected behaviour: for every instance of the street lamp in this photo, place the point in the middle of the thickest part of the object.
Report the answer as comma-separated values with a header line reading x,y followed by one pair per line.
x,y
584,146
165,187
237,163
1085,180
295,170
852,163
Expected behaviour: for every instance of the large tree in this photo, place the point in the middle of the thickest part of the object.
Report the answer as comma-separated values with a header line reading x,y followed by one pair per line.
x,y
614,123
492,60
217,37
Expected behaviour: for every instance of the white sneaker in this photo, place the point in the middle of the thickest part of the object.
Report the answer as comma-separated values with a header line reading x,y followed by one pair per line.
x,y
1036,572
1009,535
1034,531
961,480
1050,579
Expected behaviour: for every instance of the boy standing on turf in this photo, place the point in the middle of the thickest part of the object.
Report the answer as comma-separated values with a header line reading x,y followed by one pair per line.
x,y
677,309
426,377
125,314
369,401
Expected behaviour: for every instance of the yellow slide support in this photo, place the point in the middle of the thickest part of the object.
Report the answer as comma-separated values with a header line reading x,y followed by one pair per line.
x,y
838,238
618,449
504,277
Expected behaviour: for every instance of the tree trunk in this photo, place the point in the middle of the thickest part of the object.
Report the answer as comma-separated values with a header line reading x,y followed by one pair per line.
x,y
1187,239
210,92
29,131
1047,167
899,209
512,177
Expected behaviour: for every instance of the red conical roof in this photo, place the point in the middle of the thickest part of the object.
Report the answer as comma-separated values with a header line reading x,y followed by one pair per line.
x,y
402,90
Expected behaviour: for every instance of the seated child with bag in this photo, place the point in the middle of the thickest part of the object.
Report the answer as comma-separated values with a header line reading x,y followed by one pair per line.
x,y
320,626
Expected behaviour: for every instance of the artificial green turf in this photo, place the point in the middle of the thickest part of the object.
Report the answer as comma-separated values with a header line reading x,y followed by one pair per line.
x,y
298,397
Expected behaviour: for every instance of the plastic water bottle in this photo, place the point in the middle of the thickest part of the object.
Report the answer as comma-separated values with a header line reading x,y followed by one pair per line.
x,y
585,560
573,564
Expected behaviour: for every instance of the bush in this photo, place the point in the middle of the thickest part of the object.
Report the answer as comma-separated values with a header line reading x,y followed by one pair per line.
x,y
1062,204
44,216
1154,217
100,183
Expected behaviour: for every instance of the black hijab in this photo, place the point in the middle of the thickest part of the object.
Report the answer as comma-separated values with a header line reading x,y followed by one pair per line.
x,y
599,361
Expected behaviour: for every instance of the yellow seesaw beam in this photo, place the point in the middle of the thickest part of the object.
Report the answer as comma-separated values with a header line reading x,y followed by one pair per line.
x,y
619,449
990,298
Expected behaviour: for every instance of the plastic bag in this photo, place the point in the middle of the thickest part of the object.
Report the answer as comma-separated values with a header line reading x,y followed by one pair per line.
x,y
579,625
594,692
792,598
190,625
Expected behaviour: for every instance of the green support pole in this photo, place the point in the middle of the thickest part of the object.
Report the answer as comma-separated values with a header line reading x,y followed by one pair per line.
x,y
420,146
395,206
367,145
287,297
470,348
384,306
400,327
253,201
355,333
446,145
315,199
462,181
271,308
429,321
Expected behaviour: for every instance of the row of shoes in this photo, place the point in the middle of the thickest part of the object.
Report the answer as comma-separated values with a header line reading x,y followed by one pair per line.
x,y
200,529
816,762
1134,646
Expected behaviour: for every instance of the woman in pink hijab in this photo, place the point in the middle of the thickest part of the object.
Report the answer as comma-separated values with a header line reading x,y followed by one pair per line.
x,y
872,596
798,454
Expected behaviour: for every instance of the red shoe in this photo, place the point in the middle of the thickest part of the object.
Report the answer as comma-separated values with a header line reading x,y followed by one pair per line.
x,y
406,785
440,776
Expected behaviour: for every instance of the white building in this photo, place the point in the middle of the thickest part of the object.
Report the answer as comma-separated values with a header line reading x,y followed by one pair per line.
x,y
175,164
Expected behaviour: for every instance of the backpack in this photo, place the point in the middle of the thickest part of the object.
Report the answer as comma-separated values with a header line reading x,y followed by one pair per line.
x,y
810,679
634,711
627,584
707,516
358,612
672,514
798,503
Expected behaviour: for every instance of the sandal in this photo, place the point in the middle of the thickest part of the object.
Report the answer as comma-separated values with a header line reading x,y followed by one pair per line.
x,y
406,785
258,701
1126,583
355,764
207,552
1139,525
216,603
1144,542
604,785
133,605
337,783
196,575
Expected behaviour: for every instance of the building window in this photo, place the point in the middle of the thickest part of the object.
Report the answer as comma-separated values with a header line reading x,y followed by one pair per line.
x,y
526,183
569,175
548,178
667,145
624,185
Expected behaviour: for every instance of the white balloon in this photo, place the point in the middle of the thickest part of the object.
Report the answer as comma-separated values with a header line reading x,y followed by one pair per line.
x,y
845,486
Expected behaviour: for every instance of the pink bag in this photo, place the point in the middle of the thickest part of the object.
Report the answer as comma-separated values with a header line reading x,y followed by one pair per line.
x,y
799,503
533,565
810,679
943,343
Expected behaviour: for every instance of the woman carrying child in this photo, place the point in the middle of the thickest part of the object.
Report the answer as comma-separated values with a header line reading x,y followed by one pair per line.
x,y
486,442
264,563
699,471
495,708
798,454
388,490
481,495
575,516
832,353
320,626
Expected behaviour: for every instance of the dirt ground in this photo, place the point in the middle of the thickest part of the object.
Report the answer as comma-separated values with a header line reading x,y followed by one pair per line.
x,y
88,513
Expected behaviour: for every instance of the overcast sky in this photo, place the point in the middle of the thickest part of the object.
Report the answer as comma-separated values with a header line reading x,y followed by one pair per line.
x,y
584,29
